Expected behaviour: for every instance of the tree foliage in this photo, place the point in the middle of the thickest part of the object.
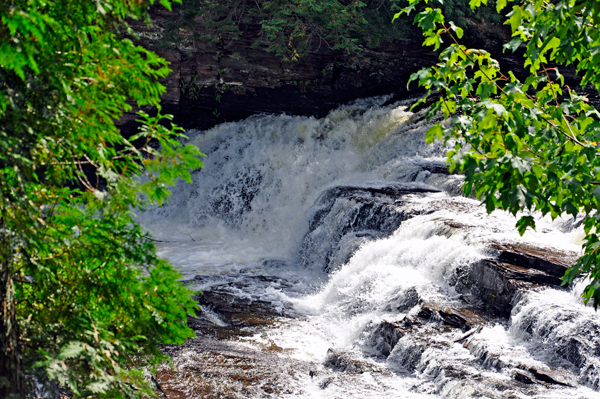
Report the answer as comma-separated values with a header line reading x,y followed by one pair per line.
x,y
290,29
524,144
85,300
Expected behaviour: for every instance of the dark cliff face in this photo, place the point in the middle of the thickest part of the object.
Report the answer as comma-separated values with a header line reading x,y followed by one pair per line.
x,y
230,80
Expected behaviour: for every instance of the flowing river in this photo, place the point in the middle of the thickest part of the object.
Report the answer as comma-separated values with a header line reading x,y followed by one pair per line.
x,y
338,259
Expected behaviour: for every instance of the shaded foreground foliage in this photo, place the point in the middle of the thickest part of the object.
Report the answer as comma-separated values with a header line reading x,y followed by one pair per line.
x,y
85,300
527,145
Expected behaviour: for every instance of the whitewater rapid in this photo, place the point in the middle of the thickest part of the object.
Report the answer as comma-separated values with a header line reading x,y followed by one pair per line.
x,y
249,213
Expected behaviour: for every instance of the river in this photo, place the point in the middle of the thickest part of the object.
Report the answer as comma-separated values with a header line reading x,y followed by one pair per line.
x,y
338,259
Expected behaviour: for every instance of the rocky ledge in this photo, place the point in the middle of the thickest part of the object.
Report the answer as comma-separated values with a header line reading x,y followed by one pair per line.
x,y
230,79
346,217
214,81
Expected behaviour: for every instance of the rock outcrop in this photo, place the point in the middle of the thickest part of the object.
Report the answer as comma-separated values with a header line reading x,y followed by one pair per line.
x,y
213,82
346,217
230,79
511,269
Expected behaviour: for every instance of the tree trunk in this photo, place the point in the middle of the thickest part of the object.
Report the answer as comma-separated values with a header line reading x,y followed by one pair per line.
x,y
11,383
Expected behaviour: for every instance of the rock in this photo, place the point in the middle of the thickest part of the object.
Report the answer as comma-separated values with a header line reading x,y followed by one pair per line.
x,y
347,246
571,334
326,382
224,314
206,367
228,80
484,355
346,216
522,377
546,378
548,261
405,356
529,375
342,362
511,269
453,316
497,283
215,81
403,301
384,337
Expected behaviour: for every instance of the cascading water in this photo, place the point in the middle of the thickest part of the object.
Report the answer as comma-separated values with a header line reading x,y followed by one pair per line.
x,y
378,278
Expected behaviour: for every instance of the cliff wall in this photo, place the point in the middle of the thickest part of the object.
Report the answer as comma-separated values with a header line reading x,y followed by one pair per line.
x,y
228,79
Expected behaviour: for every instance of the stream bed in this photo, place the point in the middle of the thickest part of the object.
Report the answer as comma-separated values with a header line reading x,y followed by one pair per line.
x,y
337,258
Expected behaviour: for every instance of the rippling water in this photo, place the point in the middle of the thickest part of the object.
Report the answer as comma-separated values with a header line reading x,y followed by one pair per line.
x,y
263,206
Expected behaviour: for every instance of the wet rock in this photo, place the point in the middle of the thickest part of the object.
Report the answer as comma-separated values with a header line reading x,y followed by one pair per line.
x,y
522,377
224,314
513,268
496,284
347,216
484,356
529,375
548,261
438,167
347,247
206,367
573,336
406,355
383,337
546,378
343,362
452,316
403,301
499,358
326,382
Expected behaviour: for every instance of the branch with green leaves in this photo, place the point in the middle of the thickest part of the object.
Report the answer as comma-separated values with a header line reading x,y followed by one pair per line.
x,y
528,145
90,301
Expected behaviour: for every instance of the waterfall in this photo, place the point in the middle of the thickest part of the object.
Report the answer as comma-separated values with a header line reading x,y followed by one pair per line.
x,y
373,276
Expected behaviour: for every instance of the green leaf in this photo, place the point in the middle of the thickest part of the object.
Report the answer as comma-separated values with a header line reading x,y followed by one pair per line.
x,y
72,350
476,3
434,132
459,31
421,75
515,18
496,107
596,193
521,165
524,222
513,45
500,4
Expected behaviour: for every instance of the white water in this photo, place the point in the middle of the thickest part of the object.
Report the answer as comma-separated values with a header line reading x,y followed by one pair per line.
x,y
253,201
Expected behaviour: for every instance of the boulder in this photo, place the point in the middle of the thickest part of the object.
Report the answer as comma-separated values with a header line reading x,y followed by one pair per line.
x,y
403,301
347,216
512,268
456,317
343,362
383,337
